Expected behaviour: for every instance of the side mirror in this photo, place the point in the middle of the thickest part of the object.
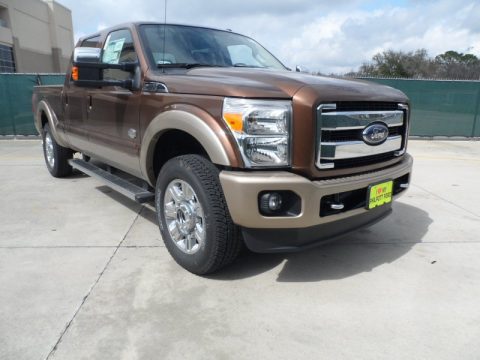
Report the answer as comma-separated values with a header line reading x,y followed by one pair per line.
x,y
87,69
302,69
87,54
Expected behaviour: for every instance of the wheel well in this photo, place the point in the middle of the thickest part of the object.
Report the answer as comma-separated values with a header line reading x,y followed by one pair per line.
x,y
175,143
44,119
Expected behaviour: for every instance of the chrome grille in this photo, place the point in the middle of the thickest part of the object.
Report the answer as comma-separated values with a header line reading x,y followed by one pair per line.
x,y
365,105
339,133
354,134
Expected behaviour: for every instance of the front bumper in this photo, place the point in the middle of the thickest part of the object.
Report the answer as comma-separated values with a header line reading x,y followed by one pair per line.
x,y
286,233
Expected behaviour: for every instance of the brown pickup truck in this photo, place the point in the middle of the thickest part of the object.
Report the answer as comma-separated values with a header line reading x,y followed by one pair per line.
x,y
233,147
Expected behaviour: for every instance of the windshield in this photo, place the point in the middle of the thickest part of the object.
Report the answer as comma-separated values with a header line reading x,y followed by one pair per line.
x,y
187,46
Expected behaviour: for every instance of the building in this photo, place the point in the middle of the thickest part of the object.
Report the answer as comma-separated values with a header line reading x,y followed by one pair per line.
x,y
35,36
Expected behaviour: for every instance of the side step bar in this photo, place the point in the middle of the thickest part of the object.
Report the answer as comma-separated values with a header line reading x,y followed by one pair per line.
x,y
113,181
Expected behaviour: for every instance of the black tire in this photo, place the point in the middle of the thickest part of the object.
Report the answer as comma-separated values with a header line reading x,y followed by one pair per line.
x,y
59,167
221,243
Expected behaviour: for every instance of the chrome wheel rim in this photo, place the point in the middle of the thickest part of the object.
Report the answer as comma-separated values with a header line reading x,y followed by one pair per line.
x,y
49,150
184,216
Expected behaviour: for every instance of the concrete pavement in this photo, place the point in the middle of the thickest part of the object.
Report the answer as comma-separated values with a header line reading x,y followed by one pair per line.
x,y
84,275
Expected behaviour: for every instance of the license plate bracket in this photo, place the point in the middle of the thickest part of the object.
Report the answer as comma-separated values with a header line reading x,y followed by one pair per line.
x,y
379,194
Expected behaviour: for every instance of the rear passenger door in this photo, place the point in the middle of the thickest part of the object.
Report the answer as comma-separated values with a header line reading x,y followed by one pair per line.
x,y
73,100
112,111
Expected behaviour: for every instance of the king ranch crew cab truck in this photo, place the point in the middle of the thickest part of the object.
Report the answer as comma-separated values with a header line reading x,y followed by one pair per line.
x,y
233,147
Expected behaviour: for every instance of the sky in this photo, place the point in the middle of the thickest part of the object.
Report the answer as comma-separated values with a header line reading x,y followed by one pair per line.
x,y
325,36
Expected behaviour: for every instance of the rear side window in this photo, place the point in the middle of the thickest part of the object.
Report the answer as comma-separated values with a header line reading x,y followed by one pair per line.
x,y
91,42
118,48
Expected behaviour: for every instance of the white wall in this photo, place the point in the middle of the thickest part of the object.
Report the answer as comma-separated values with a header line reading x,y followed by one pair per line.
x,y
37,27
33,33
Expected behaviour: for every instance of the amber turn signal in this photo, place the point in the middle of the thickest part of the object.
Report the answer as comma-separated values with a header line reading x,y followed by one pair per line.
x,y
74,73
234,121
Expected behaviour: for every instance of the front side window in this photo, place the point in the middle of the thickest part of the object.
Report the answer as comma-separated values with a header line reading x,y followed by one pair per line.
x,y
118,49
203,46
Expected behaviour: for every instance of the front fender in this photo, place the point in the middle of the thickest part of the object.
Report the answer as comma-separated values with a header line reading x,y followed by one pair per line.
x,y
197,123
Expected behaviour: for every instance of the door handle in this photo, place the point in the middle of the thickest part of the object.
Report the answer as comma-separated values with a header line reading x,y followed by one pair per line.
x,y
90,104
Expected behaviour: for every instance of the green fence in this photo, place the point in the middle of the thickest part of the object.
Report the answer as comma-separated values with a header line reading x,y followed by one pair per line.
x,y
16,116
439,108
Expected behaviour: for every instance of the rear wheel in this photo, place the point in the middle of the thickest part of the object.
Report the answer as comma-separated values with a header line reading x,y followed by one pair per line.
x,y
193,216
56,156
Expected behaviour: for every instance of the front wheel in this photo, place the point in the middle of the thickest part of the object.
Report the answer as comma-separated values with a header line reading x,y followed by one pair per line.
x,y
56,156
193,215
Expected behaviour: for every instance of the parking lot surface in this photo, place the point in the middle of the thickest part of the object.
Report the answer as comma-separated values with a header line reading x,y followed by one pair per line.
x,y
84,275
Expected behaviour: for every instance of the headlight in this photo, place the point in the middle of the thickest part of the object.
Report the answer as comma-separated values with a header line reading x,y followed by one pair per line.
x,y
261,128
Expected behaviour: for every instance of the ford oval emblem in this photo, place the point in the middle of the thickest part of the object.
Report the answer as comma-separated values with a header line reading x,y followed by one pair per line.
x,y
375,134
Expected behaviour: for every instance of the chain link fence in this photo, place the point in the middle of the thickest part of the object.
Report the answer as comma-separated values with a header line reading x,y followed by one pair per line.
x,y
439,107
16,117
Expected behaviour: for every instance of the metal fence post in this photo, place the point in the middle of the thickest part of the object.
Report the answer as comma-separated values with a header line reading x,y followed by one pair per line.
x,y
477,115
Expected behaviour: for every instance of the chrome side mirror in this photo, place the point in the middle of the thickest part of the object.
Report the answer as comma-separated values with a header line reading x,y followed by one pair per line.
x,y
87,70
87,54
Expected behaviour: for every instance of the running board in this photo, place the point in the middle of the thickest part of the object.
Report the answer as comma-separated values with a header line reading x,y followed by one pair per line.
x,y
115,182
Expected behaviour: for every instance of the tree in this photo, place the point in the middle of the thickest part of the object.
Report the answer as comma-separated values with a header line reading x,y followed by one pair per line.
x,y
390,63
453,57
454,65
418,65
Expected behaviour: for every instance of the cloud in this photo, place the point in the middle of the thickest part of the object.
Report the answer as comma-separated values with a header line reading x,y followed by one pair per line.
x,y
339,42
101,27
325,37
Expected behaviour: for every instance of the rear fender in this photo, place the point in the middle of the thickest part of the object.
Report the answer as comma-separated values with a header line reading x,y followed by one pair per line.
x,y
44,108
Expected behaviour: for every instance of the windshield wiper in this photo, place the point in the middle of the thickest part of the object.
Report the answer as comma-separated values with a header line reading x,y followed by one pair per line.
x,y
184,65
248,66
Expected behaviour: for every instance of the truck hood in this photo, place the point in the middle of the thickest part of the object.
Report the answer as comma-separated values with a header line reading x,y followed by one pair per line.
x,y
267,83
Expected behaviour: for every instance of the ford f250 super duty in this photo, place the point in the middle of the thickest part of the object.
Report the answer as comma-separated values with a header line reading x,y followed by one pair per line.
x,y
233,147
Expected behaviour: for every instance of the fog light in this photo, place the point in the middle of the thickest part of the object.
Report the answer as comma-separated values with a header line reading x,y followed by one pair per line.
x,y
271,202
279,203
275,201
